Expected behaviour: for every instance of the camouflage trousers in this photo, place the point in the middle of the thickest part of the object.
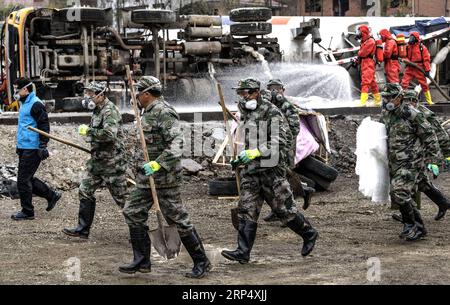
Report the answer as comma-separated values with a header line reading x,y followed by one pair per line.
x,y
406,181
140,202
270,186
116,184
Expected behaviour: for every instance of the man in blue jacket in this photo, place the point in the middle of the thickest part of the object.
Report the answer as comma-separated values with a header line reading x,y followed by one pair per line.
x,y
32,149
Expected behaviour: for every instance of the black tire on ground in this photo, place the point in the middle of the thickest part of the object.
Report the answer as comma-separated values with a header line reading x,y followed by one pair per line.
x,y
318,167
69,104
85,14
250,28
320,182
247,14
153,16
223,187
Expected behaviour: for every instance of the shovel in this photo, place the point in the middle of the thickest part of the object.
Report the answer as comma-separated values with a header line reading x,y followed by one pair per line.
x,y
165,239
226,112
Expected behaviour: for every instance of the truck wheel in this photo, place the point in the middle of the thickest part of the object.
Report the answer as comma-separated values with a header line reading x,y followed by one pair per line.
x,y
153,16
223,187
319,168
250,28
250,14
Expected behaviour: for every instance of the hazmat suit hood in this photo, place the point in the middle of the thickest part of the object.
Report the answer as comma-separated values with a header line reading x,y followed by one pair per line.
x,y
416,36
385,35
365,32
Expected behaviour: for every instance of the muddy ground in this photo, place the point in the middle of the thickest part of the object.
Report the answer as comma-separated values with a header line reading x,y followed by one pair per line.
x,y
352,230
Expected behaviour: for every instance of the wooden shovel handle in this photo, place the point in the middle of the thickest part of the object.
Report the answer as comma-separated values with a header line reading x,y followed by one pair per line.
x,y
143,144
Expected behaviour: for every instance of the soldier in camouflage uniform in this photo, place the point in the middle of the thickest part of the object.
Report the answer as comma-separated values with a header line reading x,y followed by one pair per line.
x,y
425,186
263,177
107,163
276,89
164,139
409,133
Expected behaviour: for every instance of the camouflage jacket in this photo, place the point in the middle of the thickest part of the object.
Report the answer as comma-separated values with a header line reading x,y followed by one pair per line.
x,y
291,114
106,137
441,133
265,128
164,139
408,134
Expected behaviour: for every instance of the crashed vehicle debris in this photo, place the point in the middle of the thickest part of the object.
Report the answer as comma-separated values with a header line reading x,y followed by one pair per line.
x,y
61,50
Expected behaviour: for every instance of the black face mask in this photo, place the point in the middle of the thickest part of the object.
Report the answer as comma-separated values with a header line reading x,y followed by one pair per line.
x,y
276,96
412,40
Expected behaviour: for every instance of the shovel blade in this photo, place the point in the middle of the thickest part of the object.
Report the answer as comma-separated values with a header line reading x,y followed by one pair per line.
x,y
166,241
235,218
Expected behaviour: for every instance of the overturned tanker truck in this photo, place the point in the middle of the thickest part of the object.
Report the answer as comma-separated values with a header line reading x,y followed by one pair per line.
x,y
61,50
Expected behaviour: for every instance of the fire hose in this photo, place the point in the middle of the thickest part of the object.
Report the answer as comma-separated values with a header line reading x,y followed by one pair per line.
x,y
407,62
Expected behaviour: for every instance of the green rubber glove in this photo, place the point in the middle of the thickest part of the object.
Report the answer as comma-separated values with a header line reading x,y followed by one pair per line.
x,y
83,129
249,155
434,169
151,167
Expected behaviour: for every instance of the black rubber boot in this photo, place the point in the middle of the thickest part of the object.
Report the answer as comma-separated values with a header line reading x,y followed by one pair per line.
x,y
271,217
410,230
194,247
140,241
85,219
309,191
52,202
419,222
246,238
302,227
439,199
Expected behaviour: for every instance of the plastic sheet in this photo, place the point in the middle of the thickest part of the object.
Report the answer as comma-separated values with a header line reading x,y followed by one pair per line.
x,y
372,160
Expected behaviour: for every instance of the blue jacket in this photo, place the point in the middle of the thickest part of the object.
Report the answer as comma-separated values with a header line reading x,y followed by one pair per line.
x,y
30,116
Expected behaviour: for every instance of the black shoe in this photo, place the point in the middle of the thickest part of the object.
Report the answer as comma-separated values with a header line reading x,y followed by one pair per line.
x,y
22,216
77,232
53,201
194,247
410,232
246,238
140,242
271,217
302,227
309,191
439,199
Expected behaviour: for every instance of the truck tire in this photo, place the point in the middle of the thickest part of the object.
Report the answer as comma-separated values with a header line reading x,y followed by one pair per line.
x,y
153,16
223,187
86,14
250,28
321,184
319,168
250,14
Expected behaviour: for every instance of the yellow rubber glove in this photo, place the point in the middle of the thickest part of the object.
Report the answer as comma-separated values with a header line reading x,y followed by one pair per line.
x,y
151,167
83,129
248,155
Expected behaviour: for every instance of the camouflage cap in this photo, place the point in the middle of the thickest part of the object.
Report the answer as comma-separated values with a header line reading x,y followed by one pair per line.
x,y
96,87
275,82
392,89
410,95
146,83
248,83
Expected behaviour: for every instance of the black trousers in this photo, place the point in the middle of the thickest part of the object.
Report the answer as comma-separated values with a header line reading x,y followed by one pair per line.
x,y
27,184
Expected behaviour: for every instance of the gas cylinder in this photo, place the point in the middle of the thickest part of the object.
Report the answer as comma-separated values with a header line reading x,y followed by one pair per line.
x,y
401,45
379,51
